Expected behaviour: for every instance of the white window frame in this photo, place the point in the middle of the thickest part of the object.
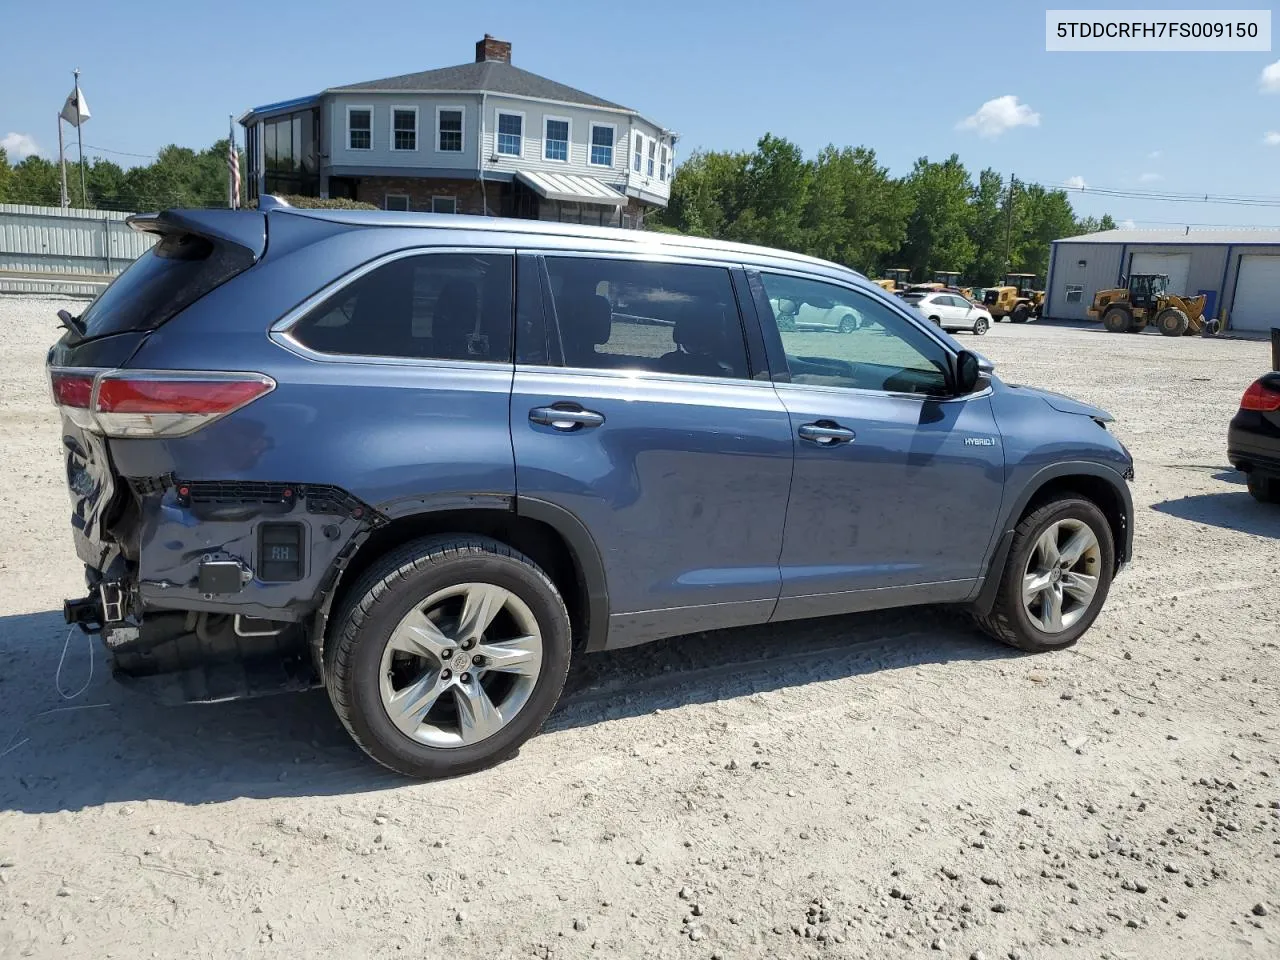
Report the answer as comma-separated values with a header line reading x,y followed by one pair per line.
x,y
651,158
637,152
499,112
1077,289
664,162
398,196
613,147
417,137
369,109
568,151
462,113
451,198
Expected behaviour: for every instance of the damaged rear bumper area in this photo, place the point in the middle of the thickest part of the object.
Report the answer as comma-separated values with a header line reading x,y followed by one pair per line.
x,y
224,584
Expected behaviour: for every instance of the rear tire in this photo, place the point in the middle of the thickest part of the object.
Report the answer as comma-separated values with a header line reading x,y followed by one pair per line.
x,y
848,323
1011,619
1021,313
1264,489
1117,320
1173,322
392,608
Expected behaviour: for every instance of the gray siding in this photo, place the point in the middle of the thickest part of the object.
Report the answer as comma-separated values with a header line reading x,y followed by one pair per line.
x,y
426,158
1101,266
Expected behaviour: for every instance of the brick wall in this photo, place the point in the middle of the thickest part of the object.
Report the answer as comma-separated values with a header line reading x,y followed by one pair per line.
x,y
420,190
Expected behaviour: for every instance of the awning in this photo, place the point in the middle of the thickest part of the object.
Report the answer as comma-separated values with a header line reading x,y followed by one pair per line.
x,y
571,187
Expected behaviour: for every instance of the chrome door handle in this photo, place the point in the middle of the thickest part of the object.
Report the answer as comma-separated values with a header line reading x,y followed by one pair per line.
x,y
827,433
566,419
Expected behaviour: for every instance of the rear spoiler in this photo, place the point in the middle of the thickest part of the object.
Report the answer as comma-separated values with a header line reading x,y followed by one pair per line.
x,y
244,228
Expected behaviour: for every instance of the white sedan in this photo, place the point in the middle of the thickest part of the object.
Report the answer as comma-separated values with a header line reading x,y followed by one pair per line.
x,y
951,311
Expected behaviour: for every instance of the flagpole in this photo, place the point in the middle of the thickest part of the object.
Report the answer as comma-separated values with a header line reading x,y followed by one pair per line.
x,y
84,196
63,200
231,152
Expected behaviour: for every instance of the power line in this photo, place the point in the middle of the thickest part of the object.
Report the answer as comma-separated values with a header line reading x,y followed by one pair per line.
x,y
122,153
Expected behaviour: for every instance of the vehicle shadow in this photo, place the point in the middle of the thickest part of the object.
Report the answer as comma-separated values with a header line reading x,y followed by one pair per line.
x,y
115,744
1233,510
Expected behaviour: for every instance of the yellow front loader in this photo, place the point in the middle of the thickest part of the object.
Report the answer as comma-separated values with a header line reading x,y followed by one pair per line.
x,y
1145,300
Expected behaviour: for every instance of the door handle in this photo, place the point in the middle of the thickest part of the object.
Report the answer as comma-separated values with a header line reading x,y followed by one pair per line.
x,y
827,433
566,418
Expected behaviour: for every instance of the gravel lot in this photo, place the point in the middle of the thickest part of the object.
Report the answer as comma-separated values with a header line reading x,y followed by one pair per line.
x,y
870,786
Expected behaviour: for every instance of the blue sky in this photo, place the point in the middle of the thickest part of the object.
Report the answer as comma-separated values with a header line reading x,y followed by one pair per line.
x,y
900,78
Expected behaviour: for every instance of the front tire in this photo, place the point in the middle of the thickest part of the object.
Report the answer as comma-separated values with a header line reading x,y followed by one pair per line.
x,y
1173,322
1056,577
447,655
1264,489
980,326
1117,320
1021,313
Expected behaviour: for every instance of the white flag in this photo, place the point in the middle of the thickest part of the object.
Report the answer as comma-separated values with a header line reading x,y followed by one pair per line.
x,y
75,111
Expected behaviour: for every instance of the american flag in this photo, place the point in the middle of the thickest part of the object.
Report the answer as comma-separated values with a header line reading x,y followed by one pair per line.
x,y
233,169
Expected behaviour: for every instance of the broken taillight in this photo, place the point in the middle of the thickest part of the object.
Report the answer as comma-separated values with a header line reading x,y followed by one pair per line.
x,y
153,403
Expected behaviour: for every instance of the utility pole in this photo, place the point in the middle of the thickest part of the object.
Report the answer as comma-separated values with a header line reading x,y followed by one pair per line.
x,y
84,195
1008,229
64,200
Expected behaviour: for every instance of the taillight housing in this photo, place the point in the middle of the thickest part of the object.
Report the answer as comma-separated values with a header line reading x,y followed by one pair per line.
x,y
152,403
1261,396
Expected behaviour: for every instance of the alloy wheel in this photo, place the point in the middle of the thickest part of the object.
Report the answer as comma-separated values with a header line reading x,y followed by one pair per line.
x,y
460,665
1061,576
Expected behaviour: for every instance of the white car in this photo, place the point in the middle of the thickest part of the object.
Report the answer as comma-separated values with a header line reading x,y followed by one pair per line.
x,y
951,311
815,316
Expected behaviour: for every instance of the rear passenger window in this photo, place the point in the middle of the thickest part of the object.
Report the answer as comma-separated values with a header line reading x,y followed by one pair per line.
x,y
661,317
439,306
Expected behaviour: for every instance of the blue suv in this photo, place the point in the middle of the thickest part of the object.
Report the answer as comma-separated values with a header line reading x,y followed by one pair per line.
x,y
423,460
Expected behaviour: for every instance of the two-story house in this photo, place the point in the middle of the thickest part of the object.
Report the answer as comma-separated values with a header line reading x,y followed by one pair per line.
x,y
482,138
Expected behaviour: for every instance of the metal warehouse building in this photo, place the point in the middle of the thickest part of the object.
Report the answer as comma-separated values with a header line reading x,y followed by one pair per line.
x,y
1238,271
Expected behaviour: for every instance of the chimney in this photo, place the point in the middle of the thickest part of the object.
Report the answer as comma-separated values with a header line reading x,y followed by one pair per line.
x,y
491,49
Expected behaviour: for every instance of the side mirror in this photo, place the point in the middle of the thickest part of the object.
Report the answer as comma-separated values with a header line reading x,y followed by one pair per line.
x,y
968,372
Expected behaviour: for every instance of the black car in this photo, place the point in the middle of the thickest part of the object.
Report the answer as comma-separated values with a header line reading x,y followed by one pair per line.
x,y
1253,439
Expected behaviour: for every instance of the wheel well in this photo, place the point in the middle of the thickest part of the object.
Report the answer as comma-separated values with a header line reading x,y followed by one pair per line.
x,y
1091,488
539,541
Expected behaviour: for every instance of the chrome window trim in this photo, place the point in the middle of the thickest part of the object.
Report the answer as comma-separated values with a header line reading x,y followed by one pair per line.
x,y
280,332
636,375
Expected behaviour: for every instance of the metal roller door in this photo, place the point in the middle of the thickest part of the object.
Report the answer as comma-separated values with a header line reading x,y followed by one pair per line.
x,y
1176,265
1257,301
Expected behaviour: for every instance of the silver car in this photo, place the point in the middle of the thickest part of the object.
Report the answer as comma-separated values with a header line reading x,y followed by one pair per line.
x,y
821,316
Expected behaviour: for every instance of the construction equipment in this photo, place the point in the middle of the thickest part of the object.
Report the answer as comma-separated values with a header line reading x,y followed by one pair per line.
x,y
895,280
1145,299
1018,299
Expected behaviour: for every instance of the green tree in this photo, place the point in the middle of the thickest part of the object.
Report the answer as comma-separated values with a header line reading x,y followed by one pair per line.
x,y
6,174
775,187
1041,216
35,180
1094,224
987,228
938,227
857,214
705,194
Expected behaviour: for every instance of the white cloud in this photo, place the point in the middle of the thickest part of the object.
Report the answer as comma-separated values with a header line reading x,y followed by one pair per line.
x,y
1271,138
1155,154
1149,178
1074,183
1127,225
1269,81
996,116
18,146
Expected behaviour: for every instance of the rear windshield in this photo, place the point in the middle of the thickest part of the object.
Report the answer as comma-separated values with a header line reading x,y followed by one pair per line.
x,y
914,297
165,280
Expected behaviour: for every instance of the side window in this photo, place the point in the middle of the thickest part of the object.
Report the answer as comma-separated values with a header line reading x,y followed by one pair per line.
x,y
660,317
884,352
442,306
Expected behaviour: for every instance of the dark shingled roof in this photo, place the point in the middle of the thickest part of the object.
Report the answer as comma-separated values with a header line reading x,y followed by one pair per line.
x,y
491,76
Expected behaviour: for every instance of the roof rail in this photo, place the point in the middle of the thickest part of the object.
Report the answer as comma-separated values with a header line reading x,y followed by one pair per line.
x,y
269,201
